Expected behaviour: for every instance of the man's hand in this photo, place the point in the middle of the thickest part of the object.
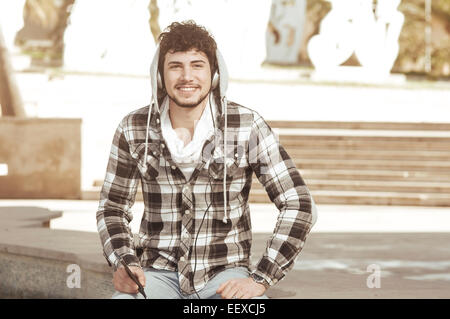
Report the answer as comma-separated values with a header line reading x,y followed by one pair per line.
x,y
123,283
241,288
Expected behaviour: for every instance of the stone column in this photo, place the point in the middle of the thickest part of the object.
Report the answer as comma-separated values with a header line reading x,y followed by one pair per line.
x,y
10,99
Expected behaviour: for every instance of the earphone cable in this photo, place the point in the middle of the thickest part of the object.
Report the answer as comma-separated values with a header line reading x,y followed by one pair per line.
x,y
195,242
209,205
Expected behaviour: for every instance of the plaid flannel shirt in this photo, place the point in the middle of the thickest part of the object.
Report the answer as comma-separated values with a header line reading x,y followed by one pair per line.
x,y
182,228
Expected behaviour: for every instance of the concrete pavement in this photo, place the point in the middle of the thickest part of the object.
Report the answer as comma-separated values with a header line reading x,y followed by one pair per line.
x,y
343,265
407,263
79,215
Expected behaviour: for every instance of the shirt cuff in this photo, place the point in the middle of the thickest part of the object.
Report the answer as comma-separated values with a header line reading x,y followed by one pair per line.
x,y
129,259
269,270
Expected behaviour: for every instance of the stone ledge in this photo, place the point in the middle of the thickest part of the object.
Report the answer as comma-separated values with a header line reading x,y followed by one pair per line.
x,y
85,249
34,260
24,276
26,216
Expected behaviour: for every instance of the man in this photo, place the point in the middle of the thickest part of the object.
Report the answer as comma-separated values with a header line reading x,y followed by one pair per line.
x,y
195,234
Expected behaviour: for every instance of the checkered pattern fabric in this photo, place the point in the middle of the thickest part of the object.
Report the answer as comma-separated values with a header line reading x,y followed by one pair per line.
x,y
184,226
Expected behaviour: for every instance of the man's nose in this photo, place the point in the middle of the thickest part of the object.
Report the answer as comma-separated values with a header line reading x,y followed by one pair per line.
x,y
187,74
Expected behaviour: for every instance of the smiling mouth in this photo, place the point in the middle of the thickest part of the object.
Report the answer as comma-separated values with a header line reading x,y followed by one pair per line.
x,y
187,89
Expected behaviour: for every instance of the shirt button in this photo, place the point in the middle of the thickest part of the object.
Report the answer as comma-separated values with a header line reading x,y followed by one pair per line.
x,y
187,211
154,153
182,259
173,167
157,121
162,145
236,155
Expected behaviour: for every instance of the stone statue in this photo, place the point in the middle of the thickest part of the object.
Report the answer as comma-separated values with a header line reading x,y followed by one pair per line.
x,y
351,27
284,31
378,49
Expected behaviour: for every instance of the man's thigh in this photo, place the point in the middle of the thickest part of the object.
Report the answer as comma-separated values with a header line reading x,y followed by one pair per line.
x,y
159,284
209,292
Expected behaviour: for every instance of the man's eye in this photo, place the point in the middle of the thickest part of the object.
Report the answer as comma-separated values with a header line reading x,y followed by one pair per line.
x,y
198,66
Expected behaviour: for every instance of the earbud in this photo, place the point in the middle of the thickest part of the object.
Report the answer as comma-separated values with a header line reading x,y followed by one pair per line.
x,y
214,82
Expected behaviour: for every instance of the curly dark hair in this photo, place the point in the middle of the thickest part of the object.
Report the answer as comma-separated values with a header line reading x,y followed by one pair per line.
x,y
185,36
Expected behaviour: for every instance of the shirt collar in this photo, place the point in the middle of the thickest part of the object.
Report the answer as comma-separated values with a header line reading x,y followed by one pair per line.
x,y
203,130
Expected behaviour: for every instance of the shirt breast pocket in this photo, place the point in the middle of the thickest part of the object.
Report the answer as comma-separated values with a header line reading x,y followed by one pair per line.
x,y
235,180
149,172
235,167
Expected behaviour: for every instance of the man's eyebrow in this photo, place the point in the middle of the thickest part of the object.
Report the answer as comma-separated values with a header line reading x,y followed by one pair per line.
x,y
192,62
174,62
197,61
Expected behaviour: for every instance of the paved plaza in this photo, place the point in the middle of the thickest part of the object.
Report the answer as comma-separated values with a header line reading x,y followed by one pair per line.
x,y
349,245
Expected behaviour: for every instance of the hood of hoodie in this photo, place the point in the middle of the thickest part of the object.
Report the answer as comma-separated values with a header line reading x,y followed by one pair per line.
x,y
221,102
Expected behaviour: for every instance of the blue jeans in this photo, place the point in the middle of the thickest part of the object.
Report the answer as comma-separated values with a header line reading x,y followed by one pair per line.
x,y
163,284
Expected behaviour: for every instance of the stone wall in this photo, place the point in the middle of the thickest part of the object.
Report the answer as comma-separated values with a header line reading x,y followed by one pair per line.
x,y
42,278
43,157
38,262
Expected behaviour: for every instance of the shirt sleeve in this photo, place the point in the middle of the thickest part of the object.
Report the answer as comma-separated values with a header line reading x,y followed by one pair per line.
x,y
286,189
116,199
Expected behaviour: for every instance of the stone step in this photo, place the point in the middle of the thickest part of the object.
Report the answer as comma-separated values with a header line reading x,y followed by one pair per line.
x,y
373,186
420,126
400,176
364,163
344,197
421,166
358,143
366,198
369,170
373,175
405,155
363,134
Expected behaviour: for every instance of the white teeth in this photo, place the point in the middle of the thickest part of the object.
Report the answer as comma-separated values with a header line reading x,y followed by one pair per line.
x,y
187,89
